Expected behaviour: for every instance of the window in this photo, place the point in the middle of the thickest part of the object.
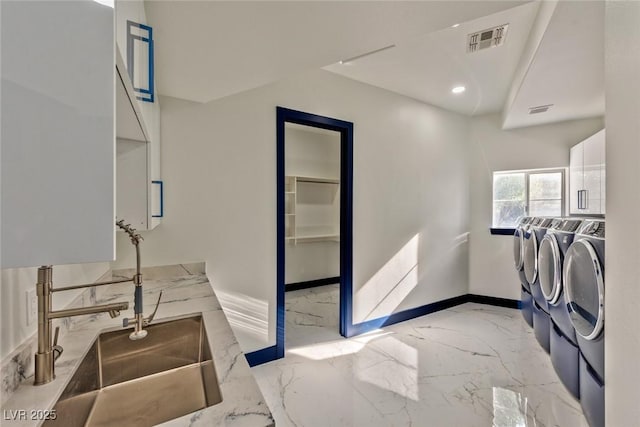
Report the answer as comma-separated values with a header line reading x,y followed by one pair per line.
x,y
538,192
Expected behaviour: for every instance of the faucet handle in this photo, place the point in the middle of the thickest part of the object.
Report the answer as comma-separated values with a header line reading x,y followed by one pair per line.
x,y
149,319
57,349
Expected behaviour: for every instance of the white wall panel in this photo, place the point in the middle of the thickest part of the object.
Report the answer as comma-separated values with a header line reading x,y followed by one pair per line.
x,y
622,261
58,140
410,185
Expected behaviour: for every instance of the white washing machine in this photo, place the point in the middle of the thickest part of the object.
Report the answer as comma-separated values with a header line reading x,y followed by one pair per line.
x,y
563,344
583,275
526,300
532,239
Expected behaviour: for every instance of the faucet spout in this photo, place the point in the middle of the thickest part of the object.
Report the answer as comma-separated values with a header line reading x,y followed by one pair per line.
x,y
138,320
113,310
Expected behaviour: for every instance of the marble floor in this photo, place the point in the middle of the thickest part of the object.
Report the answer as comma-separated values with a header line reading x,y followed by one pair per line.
x,y
471,365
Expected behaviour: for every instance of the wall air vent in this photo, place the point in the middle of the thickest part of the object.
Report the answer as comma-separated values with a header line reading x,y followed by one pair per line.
x,y
540,109
485,39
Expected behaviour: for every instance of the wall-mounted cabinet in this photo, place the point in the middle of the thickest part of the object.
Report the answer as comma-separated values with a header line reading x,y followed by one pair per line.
x,y
139,182
587,176
312,209
58,85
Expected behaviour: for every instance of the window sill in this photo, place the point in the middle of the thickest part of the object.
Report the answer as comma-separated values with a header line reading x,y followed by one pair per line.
x,y
502,231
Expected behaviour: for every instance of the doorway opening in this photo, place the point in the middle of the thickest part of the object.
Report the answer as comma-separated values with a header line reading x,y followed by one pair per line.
x,y
314,209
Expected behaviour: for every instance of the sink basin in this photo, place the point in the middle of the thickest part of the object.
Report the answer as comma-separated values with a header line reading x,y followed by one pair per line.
x,y
121,382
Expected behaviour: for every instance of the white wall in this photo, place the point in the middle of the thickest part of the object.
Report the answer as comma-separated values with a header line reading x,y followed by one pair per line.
x,y
313,153
622,271
14,284
491,269
410,196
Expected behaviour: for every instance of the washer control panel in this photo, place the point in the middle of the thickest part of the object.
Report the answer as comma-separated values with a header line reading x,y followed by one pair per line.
x,y
592,228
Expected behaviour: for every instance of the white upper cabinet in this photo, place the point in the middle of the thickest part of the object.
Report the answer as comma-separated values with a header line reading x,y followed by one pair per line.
x,y
139,184
58,141
587,176
134,41
576,177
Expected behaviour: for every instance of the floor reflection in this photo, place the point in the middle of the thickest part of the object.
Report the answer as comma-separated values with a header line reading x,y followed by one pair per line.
x,y
509,409
471,365
390,364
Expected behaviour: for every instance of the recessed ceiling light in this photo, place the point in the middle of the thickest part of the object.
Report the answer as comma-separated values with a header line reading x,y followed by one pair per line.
x,y
455,25
105,2
458,89
340,62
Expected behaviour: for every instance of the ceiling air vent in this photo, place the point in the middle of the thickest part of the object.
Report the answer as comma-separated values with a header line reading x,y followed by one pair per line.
x,y
540,109
484,39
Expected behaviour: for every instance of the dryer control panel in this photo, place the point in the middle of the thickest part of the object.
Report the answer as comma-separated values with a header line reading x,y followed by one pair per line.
x,y
524,220
556,224
542,222
571,225
592,228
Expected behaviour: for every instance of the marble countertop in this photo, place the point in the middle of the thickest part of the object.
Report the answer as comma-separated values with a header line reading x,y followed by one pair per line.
x,y
186,290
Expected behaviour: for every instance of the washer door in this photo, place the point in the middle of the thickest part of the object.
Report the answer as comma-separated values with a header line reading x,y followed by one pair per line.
x,y
584,289
550,268
517,248
530,256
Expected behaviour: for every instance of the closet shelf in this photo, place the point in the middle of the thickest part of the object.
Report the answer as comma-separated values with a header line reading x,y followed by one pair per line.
x,y
312,214
318,238
317,180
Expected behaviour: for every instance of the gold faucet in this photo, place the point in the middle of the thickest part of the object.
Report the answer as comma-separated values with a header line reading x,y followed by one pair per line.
x,y
48,351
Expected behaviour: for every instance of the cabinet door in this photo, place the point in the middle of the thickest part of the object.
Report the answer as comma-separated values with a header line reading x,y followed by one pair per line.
x,y
593,166
603,170
128,10
130,179
576,177
58,85
135,11
132,191
156,196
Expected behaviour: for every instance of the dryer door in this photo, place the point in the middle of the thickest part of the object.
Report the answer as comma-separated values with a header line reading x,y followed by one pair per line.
x,y
584,289
530,256
517,248
550,268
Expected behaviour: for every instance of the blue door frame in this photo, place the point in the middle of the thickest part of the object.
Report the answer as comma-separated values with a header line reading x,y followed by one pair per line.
x,y
347,328
285,115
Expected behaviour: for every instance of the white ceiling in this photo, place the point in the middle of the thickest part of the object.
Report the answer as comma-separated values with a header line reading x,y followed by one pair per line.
x,y
427,67
567,69
209,50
